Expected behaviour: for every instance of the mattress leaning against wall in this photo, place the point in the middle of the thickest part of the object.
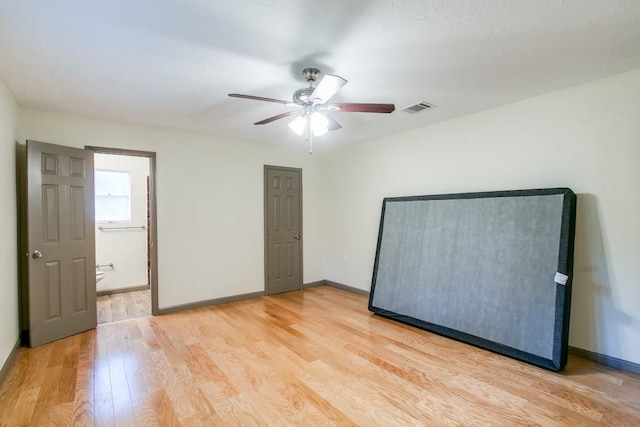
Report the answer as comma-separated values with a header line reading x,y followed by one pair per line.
x,y
491,269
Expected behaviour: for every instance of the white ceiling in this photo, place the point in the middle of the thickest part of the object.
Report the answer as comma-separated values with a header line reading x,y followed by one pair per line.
x,y
172,63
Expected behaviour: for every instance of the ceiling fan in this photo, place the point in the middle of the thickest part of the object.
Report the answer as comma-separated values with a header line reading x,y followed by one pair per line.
x,y
312,106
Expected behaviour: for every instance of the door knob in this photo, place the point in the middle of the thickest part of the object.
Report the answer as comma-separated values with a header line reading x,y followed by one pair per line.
x,y
296,237
37,254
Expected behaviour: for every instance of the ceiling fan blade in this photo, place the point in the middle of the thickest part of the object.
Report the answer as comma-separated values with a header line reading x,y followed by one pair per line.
x,y
278,117
362,108
328,86
260,98
332,123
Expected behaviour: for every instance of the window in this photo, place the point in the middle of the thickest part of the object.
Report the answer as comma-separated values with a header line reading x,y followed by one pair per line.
x,y
113,196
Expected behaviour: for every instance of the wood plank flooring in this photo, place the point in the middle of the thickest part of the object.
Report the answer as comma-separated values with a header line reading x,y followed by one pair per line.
x,y
122,306
314,357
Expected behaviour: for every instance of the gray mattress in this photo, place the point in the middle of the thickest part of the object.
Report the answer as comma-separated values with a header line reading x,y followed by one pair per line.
x,y
490,269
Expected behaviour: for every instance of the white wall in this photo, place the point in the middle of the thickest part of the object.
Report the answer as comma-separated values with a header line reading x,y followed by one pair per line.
x,y
126,249
8,235
585,137
210,202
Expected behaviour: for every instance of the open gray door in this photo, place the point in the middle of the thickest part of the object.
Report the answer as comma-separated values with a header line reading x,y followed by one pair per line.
x,y
61,242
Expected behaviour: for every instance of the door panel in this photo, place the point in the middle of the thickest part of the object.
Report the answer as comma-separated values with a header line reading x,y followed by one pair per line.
x,y
79,266
78,222
283,196
52,289
61,243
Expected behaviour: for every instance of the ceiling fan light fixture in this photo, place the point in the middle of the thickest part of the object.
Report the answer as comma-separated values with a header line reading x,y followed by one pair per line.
x,y
298,125
319,124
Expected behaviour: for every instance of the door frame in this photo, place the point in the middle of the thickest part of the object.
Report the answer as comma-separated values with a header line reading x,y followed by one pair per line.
x,y
153,282
267,168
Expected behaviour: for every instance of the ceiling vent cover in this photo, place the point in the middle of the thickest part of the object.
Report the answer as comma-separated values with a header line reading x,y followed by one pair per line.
x,y
420,106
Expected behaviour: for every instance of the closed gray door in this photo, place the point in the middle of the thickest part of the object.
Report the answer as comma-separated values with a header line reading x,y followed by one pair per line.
x,y
283,218
61,241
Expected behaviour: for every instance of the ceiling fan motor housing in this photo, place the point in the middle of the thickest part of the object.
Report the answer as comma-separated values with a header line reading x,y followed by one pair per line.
x,y
301,96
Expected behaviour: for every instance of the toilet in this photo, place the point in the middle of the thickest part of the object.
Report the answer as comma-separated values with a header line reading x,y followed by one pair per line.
x,y
99,275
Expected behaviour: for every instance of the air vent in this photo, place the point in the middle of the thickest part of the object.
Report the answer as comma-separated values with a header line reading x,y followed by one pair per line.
x,y
420,106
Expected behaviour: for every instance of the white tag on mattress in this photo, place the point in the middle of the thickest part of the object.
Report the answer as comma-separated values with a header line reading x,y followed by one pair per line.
x,y
561,279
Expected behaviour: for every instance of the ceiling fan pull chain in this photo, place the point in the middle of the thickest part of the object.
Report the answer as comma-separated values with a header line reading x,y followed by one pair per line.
x,y
308,135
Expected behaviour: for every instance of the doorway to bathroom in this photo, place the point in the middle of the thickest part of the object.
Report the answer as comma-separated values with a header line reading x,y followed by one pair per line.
x,y
124,234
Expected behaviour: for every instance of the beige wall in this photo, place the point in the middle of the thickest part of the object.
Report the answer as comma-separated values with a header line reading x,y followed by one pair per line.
x,y
210,204
8,235
585,137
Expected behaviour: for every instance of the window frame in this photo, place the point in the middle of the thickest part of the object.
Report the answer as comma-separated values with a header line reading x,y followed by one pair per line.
x,y
128,195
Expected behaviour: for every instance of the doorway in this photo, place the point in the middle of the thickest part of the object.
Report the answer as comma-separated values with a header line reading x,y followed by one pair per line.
x,y
126,255
57,267
283,229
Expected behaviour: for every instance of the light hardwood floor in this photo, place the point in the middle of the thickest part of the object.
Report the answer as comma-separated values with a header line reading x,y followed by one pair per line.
x,y
122,306
314,357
